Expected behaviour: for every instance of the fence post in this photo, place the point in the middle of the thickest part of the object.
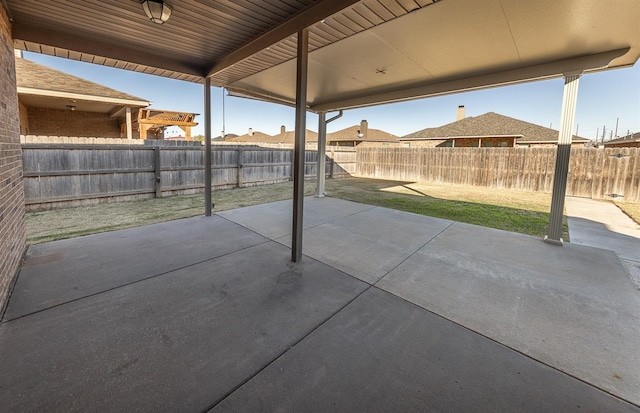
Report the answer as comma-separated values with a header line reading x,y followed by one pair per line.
x,y
156,152
292,163
240,168
333,163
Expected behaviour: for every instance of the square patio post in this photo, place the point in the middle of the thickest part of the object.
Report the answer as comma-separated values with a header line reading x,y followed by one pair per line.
x,y
298,152
207,147
322,149
129,123
569,99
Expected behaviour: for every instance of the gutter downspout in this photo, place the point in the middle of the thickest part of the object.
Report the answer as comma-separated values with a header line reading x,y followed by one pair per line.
x,y
322,150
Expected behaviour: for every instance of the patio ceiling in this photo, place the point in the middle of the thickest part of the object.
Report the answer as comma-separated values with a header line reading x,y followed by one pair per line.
x,y
361,53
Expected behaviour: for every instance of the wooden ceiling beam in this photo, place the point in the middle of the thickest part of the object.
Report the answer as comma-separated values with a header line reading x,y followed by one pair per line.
x,y
304,19
29,33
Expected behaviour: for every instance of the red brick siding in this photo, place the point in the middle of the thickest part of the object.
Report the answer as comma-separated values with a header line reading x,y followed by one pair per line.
x,y
486,142
56,122
12,221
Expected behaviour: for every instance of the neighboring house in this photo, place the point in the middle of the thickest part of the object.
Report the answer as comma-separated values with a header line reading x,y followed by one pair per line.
x,y
351,136
360,135
284,137
488,130
260,137
54,103
289,137
629,141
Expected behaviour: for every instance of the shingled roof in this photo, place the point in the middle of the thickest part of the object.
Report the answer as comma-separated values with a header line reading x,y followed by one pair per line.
x,y
45,81
286,137
632,138
491,124
351,133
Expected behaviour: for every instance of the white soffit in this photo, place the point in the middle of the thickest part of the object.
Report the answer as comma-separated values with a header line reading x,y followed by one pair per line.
x,y
458,45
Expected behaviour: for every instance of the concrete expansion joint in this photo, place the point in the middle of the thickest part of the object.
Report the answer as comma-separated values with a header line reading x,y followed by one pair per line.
x,y
286,350
132,283
413,253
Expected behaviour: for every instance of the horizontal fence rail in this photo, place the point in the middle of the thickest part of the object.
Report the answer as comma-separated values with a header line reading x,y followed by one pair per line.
x,y
71,175
593,173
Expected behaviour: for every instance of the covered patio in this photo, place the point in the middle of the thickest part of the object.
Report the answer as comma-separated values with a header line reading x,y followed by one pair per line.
x,y
209,313
387,311
332,55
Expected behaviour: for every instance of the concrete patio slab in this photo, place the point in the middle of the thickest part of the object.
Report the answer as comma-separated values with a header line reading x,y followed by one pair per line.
x,y
58,272
571,307
481,320
382,354
178,342
603,225
633,268
369,244
274,220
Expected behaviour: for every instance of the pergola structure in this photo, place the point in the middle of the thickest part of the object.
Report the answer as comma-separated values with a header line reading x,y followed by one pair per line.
x,y
154,121
328,55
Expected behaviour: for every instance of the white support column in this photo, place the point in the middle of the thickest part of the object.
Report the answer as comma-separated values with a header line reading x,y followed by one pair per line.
x,y
298,152
207,147
129,123
322,148
569,99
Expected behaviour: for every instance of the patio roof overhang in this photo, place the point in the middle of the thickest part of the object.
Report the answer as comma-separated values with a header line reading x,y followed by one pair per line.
x,y
360,52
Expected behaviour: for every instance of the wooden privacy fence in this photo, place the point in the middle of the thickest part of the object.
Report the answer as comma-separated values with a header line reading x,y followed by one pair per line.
x,y
593,173
72,175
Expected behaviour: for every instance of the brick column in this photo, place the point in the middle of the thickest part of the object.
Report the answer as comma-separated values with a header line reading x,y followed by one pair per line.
x,y
12,221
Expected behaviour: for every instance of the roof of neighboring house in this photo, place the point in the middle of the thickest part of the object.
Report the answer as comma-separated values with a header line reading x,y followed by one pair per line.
x,y
491,124
287,137
634,137
351,134
33,78
290,137
254,137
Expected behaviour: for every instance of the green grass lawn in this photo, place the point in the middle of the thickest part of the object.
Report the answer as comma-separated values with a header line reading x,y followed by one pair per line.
x,y
524,212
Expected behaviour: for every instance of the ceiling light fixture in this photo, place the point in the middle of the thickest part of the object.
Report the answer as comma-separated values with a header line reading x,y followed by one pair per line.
x,y
156,10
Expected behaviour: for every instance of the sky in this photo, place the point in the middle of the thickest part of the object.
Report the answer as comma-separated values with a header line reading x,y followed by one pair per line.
x,y
604,98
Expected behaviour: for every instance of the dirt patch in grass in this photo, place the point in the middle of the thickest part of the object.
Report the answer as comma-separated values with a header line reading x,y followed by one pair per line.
x,y
74,222
524,212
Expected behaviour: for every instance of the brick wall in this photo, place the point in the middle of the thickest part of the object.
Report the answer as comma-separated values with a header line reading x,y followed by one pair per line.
x,y
56,122
24,119
12,221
